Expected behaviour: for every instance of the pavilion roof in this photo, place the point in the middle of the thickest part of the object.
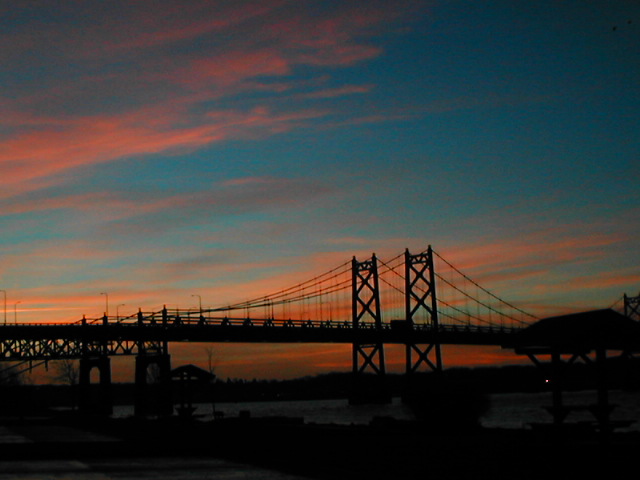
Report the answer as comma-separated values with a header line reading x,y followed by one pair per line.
x,y
582,331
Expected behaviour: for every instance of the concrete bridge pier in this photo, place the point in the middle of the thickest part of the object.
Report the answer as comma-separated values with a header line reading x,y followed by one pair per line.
x,y
153,387
89,400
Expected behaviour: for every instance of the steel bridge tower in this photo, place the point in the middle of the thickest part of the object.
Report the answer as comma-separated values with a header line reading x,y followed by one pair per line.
x,y
366,314
632,307
420,294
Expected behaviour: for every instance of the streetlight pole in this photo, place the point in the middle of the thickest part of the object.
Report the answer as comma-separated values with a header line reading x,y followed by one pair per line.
x,y
118,312
15,312
200,302
5,305
106,312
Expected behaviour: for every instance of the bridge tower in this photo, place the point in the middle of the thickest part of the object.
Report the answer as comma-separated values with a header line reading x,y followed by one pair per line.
x,y
368,349
420,297
632,307
420,294
95,355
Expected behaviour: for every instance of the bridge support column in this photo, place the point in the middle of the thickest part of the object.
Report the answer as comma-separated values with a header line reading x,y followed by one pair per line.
x,y
91,401
153,395
368,349
558,411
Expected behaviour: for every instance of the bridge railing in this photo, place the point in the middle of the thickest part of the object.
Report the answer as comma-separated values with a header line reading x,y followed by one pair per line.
x,y
195,319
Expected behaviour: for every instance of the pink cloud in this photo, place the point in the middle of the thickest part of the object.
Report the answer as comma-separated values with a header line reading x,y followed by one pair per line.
x,y
231,68
340,91
560,244
122,28
78,141
538,270
58,125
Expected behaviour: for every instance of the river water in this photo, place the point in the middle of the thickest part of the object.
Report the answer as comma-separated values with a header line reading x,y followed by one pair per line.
x,y
507,410
513,410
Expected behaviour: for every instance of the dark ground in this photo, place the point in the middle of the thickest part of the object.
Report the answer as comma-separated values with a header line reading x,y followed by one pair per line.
x,y
443,445
384,449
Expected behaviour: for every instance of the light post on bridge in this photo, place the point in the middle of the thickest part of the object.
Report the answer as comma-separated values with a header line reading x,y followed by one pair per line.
x,y
118,312
200,302
5,305
106,312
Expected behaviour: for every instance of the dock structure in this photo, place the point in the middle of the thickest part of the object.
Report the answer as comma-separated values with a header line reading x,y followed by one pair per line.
x,y
593,338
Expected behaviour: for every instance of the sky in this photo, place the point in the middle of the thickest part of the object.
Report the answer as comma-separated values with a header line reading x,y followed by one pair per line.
x,y
155,150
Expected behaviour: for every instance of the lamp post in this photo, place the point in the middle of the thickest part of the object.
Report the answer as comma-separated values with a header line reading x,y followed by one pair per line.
x,y
106,312
118,312
199,302
5,305
15,312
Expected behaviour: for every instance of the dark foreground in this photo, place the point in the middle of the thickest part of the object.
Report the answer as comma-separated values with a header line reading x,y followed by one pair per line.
x,y
385,449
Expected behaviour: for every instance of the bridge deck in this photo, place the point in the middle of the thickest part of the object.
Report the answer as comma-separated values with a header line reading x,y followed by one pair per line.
x,y
43,341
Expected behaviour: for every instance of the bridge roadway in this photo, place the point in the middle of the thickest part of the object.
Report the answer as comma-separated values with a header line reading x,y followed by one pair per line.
x,y
106,336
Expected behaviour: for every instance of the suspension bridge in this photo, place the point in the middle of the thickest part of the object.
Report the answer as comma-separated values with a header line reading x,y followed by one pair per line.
x,y
419,300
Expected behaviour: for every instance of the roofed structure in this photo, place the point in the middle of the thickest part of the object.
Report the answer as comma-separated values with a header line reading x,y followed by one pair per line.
x,y
579,336
583,331
192,372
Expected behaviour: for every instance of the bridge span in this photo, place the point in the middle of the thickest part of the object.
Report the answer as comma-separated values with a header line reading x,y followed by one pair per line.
x,y
343,305
39,341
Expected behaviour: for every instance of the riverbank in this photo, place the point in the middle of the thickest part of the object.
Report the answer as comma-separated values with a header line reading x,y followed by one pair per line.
x,y
383,449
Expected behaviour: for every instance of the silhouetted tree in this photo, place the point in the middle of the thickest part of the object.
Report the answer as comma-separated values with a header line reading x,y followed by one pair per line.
x,y
67,371
210,363
11,374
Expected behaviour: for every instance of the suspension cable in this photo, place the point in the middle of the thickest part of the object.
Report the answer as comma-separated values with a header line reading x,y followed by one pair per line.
x,y
485,290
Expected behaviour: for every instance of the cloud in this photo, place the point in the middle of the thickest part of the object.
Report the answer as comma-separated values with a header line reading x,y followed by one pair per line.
x,y
127,80
118,221
539,250
542,272
75,142
340,91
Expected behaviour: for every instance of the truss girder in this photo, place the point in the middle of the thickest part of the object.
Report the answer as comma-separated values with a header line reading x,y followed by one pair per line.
x,y
58,349
150,336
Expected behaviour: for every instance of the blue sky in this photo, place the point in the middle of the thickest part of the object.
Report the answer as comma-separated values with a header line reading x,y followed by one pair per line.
x,y
155,150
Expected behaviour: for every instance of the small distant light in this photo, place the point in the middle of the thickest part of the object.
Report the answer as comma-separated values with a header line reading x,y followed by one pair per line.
x,y
546,381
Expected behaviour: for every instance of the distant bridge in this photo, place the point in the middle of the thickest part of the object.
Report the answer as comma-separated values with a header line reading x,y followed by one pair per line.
x,y
423,309
343,305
